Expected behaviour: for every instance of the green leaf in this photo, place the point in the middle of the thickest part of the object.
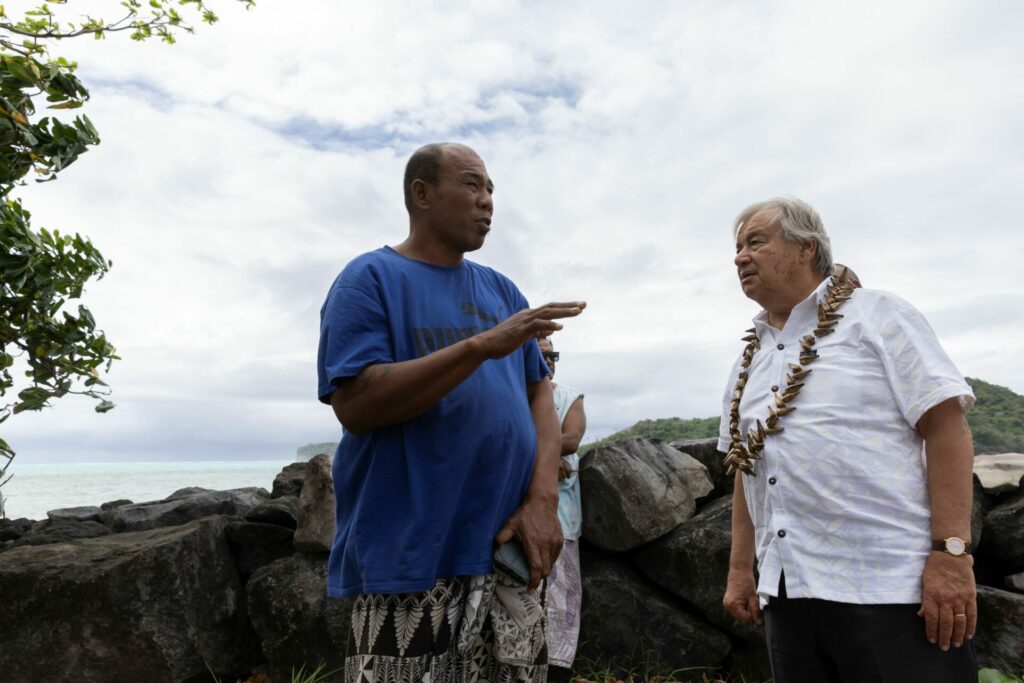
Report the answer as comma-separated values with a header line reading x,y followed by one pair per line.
x,y
103,406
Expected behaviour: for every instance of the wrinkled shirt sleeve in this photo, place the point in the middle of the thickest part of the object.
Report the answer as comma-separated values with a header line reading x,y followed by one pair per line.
x,y
354,334
920,373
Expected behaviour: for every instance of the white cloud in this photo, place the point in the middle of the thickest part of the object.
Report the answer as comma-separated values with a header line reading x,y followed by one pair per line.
x,y
243,167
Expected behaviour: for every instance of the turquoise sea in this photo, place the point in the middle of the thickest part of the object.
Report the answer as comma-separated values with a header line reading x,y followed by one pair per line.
x,y
36,488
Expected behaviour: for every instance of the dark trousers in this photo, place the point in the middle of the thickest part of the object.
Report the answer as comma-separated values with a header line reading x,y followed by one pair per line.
x,y
819,641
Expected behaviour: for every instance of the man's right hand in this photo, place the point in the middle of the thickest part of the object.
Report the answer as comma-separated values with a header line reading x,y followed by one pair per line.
x,y
516,330
741,596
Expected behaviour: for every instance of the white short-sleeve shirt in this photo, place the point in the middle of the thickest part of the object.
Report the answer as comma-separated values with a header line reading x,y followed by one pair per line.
x,y
840,499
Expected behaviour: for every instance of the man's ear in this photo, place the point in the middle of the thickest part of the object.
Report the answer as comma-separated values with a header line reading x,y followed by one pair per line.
x,y
419,190
809,250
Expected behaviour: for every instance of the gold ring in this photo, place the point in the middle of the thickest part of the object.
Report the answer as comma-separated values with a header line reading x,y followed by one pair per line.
x,y
958,616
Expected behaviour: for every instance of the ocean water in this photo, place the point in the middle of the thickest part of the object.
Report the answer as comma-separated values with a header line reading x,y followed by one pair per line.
x,y
36,488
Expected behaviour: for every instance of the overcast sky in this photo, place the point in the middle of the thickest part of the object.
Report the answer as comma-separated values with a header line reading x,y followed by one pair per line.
x,y
242,168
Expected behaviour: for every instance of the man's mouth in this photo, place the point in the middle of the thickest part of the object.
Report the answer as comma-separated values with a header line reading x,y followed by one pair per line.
x,y
745,276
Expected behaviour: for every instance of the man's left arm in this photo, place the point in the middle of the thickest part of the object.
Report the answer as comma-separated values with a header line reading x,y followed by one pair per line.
x,y
573,427
948,595
535,522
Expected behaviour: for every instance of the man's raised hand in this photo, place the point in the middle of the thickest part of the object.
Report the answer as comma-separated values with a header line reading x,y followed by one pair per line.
x,y
516,330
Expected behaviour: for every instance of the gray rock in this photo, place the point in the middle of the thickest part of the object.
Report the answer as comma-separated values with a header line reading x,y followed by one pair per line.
x,y
283,511
60,531
1000,473
256,545
289,481
998,641
184,506
111,504
155,606
88,513
13,529
635,490
980,505
296,623
627,622
1015,582
187,492
706,452
692,561
315,532
1004,534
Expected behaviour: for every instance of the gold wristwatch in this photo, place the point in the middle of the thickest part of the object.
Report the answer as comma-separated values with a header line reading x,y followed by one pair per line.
x,y
954,545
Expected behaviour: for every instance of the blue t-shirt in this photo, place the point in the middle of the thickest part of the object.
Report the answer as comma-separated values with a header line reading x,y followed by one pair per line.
x,y
423,499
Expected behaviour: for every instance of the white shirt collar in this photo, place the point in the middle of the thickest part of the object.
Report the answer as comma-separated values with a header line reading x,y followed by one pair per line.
x,y
800,317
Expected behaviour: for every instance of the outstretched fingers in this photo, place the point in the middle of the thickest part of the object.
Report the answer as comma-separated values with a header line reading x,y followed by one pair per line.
x,y
559,309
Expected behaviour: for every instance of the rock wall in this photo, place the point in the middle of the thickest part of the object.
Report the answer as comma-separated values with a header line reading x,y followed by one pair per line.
x,y
225,581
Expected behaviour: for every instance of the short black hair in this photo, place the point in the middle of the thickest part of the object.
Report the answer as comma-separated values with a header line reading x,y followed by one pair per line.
x,y
425,165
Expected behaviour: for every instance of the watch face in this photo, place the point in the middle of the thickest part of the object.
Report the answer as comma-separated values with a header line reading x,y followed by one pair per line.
x,y
956,546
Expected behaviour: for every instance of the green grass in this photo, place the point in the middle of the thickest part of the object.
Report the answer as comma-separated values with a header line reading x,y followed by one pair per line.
x,y
994,676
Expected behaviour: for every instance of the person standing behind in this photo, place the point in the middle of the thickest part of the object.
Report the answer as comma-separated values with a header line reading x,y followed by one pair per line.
x,y
565,584
856,535
451,445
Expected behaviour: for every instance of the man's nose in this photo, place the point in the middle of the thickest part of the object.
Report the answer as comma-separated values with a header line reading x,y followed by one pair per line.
x,y
486,200
741,257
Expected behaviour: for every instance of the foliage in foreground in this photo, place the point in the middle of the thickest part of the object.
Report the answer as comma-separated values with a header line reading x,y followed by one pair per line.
x,y
43,271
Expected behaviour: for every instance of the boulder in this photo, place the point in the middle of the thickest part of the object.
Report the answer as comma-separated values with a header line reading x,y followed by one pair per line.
x,y
998,641
1015,582
315,531
635,490
283,511
1004,534
706,452
88,513
1000,473
692,561
289,480
111,504
163,605
60,531
256,545
980,505
13,529
628,623
188,491
295,622
184,506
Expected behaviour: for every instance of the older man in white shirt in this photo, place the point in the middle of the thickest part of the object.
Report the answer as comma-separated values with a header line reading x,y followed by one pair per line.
x,y
861,537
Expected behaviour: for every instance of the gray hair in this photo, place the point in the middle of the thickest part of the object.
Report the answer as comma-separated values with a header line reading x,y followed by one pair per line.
x,y
799,223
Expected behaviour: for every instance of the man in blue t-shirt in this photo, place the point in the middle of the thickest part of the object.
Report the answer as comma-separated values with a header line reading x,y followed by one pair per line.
x,y
451,445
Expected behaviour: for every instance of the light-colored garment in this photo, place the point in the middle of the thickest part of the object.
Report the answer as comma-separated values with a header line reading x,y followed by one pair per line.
x,y
840,500
564,600
517,619
565,585
569,507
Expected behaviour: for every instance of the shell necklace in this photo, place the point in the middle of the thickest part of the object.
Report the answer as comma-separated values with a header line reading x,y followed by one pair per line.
x,y
743,451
